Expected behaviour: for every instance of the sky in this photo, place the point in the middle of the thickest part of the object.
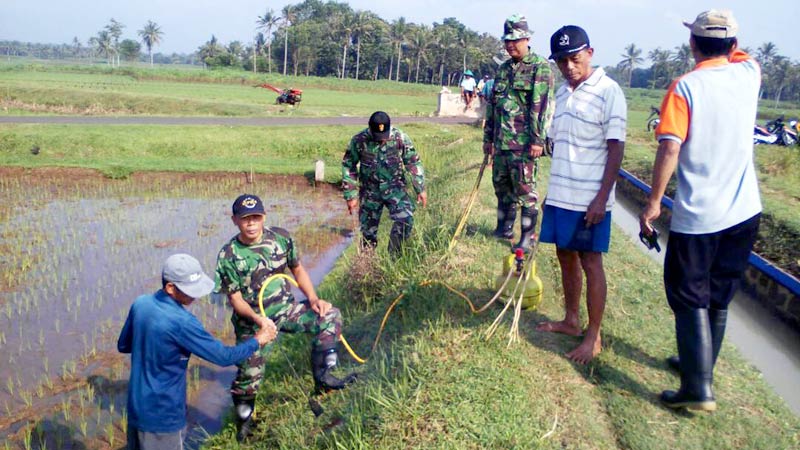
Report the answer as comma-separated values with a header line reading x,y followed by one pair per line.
x,y
611,24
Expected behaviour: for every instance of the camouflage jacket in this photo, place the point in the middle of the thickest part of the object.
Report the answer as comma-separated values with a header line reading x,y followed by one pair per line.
x,y
244,268
381,166
521,105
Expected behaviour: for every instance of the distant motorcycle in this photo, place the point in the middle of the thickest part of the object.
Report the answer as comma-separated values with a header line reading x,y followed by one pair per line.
x,y
762,136
653,119
786,135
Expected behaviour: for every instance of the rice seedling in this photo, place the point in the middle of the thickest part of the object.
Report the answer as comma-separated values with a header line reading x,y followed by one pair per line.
x,y
27,438
27,397
65,408
109,429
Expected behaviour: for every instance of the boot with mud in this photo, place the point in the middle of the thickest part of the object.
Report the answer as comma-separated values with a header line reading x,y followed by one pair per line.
x,y
323,362
694,350
506,215
527,226
244,407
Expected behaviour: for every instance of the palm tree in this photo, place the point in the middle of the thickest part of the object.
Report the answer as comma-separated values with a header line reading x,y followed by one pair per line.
x,y
151,35
344,23
766,53
363,28
445,38
632,58
103,45
421,40
661,66
287,17
398,31
114,29
267,23
682,59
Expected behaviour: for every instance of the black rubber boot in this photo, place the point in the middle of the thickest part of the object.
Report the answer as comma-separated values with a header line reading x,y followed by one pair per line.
x,y
399,234
718,318
693,334
323,361
243,408
506,216
527,226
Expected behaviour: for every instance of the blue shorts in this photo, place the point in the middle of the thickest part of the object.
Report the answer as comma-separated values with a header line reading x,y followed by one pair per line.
x,y
567,229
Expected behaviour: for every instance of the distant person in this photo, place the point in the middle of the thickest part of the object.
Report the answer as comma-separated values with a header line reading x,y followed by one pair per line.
x,y
706,131
244,263
481,83
468,86
161,336
517,118
588,133
374,170
486,90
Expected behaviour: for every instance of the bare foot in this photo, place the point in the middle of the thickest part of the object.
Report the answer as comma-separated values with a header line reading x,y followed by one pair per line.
x,y
589,348
562,327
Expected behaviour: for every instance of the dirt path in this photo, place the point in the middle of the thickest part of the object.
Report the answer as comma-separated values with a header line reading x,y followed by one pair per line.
x,y
230,121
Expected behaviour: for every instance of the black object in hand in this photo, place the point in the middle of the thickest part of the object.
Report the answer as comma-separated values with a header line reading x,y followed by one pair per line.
x,y
651,242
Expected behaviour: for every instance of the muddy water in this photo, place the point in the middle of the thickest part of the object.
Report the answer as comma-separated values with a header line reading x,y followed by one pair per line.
x,y
766,342
77,249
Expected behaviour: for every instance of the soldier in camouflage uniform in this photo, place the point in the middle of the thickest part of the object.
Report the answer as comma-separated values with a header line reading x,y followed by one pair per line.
x,y
243,264
517,118
374,175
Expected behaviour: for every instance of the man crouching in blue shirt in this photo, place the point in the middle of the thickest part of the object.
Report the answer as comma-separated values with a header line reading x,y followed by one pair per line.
x,y
161,335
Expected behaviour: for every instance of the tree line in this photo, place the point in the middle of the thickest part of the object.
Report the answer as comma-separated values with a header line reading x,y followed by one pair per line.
x,y
332,39
780,77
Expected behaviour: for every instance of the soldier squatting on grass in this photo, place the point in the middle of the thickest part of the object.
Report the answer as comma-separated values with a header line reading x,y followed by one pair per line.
x,y
244,263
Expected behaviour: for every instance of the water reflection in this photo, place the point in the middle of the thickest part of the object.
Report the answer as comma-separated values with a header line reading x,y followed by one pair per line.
x,y
77,249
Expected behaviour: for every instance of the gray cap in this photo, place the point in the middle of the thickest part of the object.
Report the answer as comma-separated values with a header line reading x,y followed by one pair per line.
x,y
186,274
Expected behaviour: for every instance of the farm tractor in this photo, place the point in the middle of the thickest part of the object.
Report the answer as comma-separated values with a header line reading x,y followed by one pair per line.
x,y
288,96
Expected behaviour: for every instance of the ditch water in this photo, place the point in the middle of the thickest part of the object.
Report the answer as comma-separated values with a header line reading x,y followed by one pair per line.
x,y
77,249
769,344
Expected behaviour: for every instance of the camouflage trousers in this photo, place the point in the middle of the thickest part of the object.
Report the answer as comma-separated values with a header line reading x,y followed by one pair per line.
x,y
290,317
514,176
401,211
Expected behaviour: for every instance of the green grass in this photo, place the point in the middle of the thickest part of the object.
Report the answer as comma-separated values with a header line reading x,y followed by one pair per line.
x,y
434,381
26,89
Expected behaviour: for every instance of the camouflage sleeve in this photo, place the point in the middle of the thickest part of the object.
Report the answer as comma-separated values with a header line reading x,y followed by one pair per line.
x,y
541,104
292,257
226,278
350,171
488,126
413,164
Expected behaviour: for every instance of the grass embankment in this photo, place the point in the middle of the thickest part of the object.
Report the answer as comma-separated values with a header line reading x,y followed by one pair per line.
x,y
434,381
36,89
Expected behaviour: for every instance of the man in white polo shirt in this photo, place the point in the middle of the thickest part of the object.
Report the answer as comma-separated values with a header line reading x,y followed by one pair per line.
x,y
706,118
588,134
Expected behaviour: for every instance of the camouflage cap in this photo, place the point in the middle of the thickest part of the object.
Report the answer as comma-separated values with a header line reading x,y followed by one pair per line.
x,y
516,28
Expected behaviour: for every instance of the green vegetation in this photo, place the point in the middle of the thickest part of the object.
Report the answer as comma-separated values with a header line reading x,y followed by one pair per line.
x,y
434,381
99,90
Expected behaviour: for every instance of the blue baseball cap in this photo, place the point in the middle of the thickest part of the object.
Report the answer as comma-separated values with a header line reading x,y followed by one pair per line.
x,y
247,205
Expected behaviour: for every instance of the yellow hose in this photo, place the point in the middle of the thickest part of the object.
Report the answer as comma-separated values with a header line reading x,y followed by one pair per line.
x,y
470,202
291,280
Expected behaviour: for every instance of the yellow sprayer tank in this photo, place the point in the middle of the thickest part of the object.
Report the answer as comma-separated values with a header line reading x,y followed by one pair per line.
x,y
532,288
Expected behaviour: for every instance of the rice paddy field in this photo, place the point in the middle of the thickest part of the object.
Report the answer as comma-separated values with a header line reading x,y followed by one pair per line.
x,y
87,219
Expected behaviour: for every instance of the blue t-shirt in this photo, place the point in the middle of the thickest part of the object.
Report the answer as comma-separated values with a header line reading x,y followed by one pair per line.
x,y
161,335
